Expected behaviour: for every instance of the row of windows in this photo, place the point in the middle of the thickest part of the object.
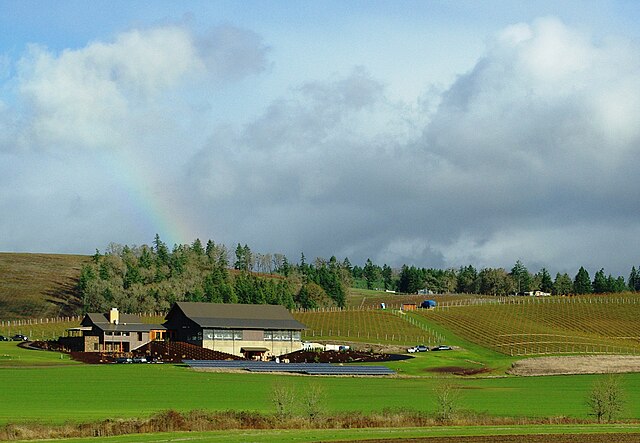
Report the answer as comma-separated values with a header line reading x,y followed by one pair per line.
x,y
236,334
223,334
282,335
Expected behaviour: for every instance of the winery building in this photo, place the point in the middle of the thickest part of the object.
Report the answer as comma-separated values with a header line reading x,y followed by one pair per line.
x,y
251,331
115,332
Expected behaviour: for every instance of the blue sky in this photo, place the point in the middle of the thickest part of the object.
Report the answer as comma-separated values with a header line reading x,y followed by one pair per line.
x,y
423,132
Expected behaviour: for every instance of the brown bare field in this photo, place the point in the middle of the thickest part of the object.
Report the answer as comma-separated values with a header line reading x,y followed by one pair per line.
x,y
538,438
39,285
576,364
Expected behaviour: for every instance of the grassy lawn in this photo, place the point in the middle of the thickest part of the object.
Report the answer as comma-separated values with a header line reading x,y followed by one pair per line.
x,y
75,392
302,436
12,356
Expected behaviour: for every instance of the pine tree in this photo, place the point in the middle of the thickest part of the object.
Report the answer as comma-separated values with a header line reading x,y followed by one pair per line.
x,y
634,280
521,277
582,282
600,284
546,284
387,275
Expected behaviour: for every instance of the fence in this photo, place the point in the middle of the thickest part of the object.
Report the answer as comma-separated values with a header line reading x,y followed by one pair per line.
x,y
55,320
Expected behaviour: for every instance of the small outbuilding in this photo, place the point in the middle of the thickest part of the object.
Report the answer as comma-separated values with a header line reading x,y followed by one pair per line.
x,y
409,306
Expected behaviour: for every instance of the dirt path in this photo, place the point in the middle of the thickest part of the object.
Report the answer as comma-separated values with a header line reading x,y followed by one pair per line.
x,y
588,364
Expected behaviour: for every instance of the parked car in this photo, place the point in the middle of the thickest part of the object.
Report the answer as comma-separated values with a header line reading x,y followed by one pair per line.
x,y
412,350
3,338
139,359
442,348
20,337
124,360
422,348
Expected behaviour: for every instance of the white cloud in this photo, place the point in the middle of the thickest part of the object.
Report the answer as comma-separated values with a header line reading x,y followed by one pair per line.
x,y
530,155
94,97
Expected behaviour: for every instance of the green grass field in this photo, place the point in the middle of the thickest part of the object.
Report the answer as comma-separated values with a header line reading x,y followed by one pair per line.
x,y
66,391
489,334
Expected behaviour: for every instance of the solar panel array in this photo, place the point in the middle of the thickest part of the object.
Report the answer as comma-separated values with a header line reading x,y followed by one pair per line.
x,y
299,368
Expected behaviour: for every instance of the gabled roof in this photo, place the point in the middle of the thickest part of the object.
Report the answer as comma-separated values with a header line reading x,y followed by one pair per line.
x,y
126,323
97,318
227,315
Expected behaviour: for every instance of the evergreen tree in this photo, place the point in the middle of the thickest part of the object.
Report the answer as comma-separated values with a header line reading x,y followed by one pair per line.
x,y
634,280
562,284
619,285
546,284
371,273
161,250
582,282
467,280
521,277
600,284
196,247
387,276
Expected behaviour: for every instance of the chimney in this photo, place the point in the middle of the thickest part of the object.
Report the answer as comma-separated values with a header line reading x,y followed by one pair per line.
x,y
114,316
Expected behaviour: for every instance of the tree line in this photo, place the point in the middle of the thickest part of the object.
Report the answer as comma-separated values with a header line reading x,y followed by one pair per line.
x,y
497,281
153,277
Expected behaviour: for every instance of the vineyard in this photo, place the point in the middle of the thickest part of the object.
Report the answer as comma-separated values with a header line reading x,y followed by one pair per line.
x,y
368,299
553,325
366,326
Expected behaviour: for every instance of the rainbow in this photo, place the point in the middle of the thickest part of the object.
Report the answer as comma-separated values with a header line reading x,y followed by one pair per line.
x,y
152,209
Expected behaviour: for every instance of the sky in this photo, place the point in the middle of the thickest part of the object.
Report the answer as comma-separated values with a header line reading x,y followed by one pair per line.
x,y
428,133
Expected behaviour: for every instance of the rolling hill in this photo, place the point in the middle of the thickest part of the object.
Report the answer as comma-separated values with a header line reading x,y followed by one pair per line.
x,y
39,285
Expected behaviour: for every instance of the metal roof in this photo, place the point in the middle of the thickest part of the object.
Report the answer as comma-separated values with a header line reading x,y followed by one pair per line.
x,y
126,323
124,327
228,315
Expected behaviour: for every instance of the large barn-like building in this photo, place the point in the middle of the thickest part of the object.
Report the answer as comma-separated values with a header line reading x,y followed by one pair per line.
x,y
251,331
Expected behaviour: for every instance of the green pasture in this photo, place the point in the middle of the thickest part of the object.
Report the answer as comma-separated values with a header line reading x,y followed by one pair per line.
x,y
12,356
47,389
305,435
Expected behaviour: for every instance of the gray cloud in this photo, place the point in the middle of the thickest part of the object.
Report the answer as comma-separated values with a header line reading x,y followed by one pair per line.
x,y
530,155
522,159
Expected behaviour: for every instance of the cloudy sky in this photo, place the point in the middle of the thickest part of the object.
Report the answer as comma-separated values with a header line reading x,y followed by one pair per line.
x,y
431,133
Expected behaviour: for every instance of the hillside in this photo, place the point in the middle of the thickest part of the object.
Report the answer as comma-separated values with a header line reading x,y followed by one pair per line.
x,y
39,285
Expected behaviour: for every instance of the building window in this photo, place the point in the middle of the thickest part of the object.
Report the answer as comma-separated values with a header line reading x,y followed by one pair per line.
x,y
281,335
227,334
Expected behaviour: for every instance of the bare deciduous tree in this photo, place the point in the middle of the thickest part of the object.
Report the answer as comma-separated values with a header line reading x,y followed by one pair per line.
x,y
606,399
312,400
446,398
283,398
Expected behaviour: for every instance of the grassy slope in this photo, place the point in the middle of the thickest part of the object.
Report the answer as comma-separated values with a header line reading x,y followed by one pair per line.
x,y
38,285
